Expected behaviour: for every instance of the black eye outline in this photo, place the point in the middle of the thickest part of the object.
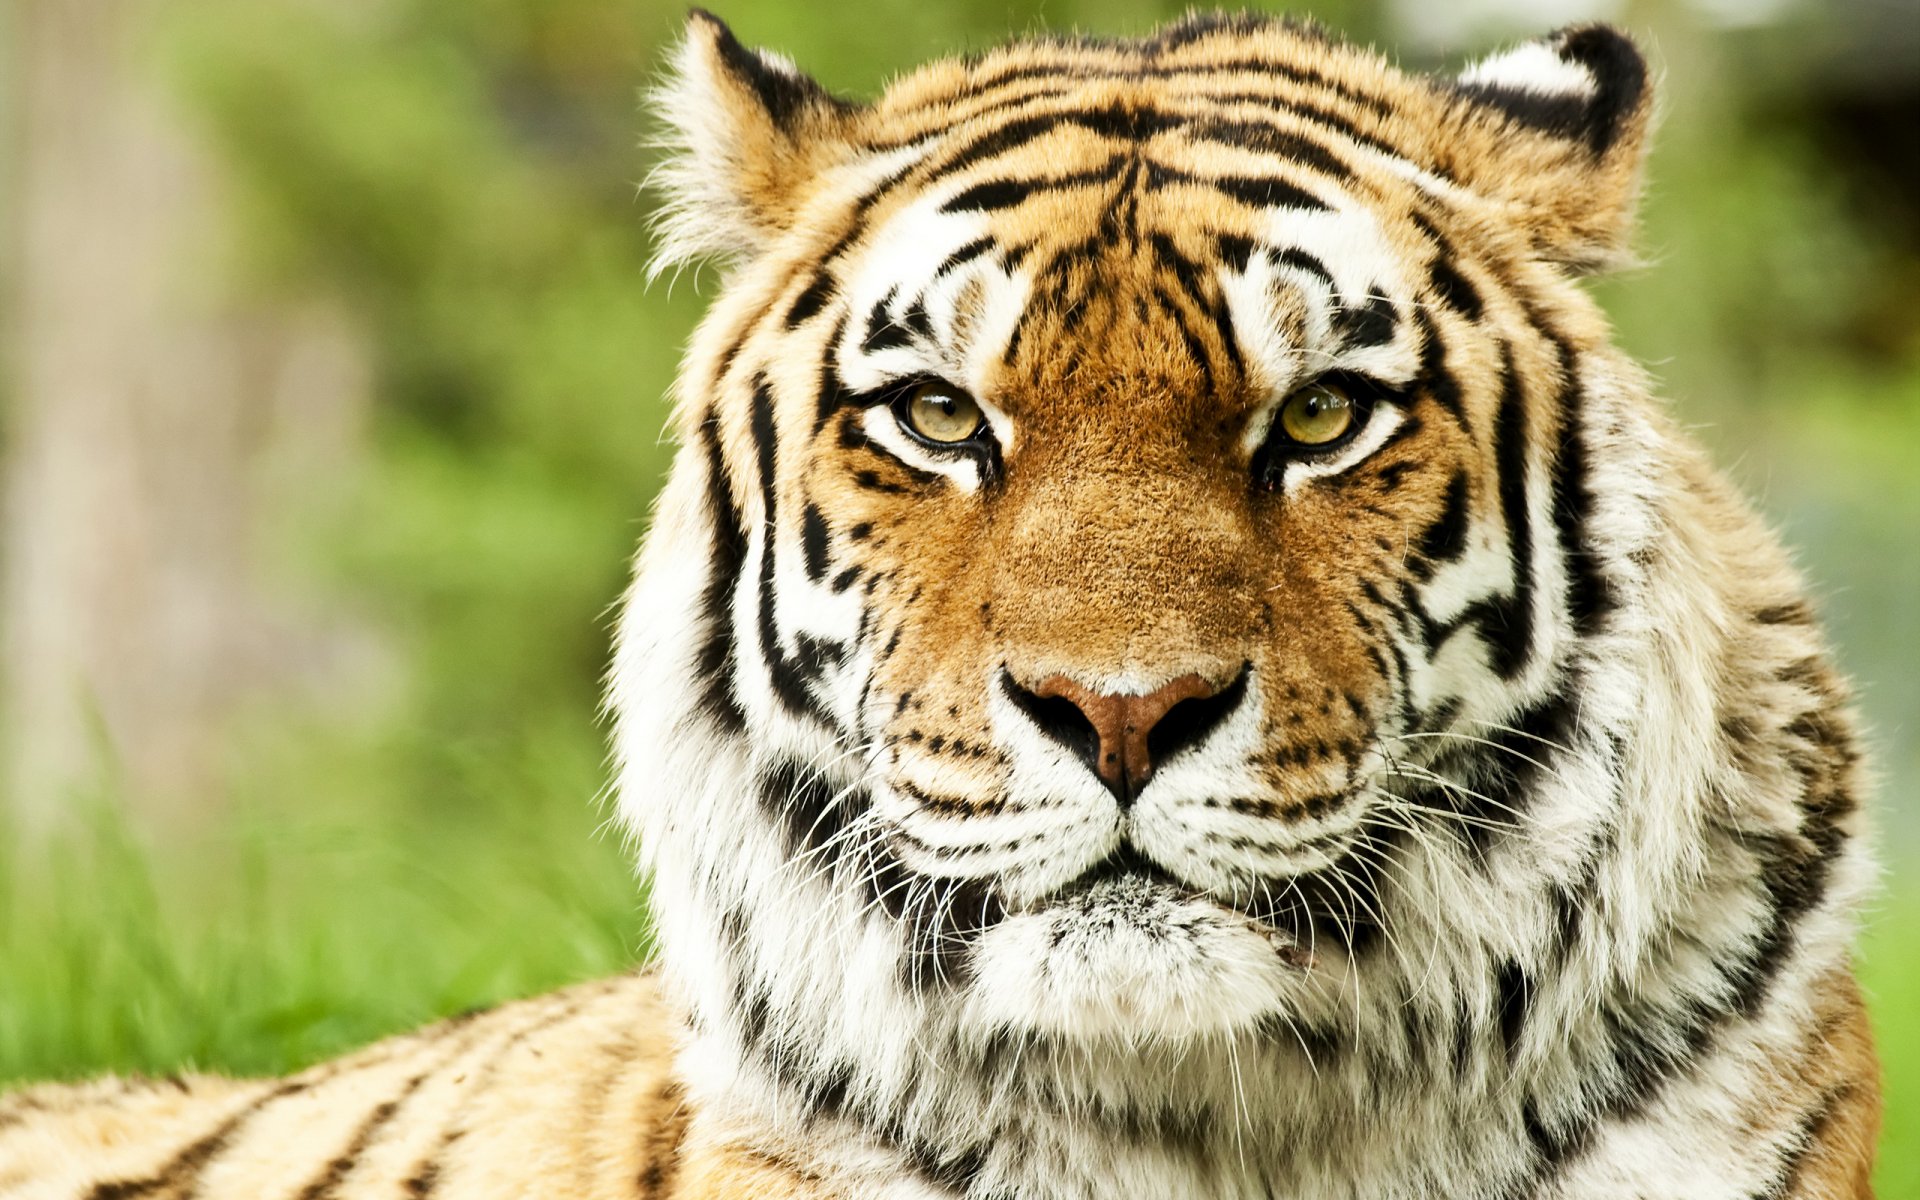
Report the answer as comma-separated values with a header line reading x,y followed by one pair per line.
x,y
899,401
1366,394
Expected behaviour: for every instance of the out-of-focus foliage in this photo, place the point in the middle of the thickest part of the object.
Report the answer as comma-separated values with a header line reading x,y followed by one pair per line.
x,y
460,175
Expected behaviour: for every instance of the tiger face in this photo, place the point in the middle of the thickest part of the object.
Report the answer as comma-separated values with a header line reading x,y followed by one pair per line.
x,y
1134,477
1134,487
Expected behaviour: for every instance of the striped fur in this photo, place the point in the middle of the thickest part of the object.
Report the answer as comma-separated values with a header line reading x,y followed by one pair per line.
x,y
1508,844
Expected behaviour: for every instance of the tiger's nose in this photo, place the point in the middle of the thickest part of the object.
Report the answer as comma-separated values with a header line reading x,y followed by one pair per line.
x,y
1122,737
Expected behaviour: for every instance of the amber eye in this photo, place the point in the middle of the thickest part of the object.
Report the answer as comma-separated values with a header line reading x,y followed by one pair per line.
x,y
941,413
1317,415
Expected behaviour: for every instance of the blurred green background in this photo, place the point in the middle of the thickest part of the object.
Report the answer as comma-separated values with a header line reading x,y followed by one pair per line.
x,y
333,401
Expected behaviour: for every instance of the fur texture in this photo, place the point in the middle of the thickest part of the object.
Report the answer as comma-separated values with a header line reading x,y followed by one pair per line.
x,y
1505,844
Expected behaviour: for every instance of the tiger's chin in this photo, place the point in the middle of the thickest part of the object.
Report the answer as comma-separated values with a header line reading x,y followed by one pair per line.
x,y
1132,960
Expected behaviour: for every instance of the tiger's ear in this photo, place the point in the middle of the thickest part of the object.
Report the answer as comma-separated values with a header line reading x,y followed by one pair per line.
x,y
1557,128
743,132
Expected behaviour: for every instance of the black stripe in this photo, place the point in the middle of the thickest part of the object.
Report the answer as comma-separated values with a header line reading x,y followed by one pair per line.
x,y
1410,426
803,804
965,254
1263,138
186,1166
1317,115
1590,594
916,320
883,332
1255,191
1444,279
1234,250
1446,539
1190,274
813,541
1372,324
1506,622
1435,379
808,303
833,393
1121,122
996,194
1303,262
328,1182
717,661
1195,347
787,678
424,1180
1446,282
1266,68
1513,992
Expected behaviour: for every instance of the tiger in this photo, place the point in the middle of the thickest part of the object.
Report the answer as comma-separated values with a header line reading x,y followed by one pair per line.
x,y
1174,658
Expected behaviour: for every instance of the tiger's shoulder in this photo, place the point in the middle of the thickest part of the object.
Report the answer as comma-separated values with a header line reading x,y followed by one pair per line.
x,y
572,1093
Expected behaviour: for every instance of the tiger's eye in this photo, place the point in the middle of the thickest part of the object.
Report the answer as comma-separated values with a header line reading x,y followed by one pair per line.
x,y
939,413
1316,414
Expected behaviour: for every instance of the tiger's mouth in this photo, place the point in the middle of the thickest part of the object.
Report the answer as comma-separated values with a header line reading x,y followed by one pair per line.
x,y
1130,886
1126,864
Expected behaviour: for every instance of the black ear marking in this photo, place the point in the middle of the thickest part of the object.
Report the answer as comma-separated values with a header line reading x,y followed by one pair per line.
x,y
1595,114
783,92
1619,73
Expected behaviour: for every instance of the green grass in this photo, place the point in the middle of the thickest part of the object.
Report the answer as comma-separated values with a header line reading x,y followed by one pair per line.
x,y
295,937
1890,972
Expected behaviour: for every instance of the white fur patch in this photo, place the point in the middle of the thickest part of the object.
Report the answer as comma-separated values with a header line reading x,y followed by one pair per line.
x,y
1534,67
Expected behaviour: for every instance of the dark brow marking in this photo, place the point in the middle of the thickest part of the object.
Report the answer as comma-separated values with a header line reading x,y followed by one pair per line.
x,y
810,301
883,332
964,254
1299,260
1371,324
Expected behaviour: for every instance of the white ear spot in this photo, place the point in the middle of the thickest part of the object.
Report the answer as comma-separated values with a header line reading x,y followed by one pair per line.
x,y
1535,67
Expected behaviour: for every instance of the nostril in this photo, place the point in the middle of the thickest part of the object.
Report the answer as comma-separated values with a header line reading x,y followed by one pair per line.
x,y
1059,718
1189,722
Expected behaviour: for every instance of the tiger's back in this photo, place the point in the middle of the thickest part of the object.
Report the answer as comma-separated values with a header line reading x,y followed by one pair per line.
x,y
570,1094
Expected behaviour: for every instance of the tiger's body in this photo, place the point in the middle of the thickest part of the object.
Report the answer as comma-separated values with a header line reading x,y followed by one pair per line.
x,y
1175,660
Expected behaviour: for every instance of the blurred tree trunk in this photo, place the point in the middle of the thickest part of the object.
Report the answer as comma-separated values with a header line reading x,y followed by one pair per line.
x,y
153,419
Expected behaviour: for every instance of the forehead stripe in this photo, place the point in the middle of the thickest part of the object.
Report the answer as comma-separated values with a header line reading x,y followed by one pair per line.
x,y
1255,191
1006,193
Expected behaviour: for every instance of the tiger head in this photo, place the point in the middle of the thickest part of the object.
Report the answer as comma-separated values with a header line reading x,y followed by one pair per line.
x,y
1136,534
